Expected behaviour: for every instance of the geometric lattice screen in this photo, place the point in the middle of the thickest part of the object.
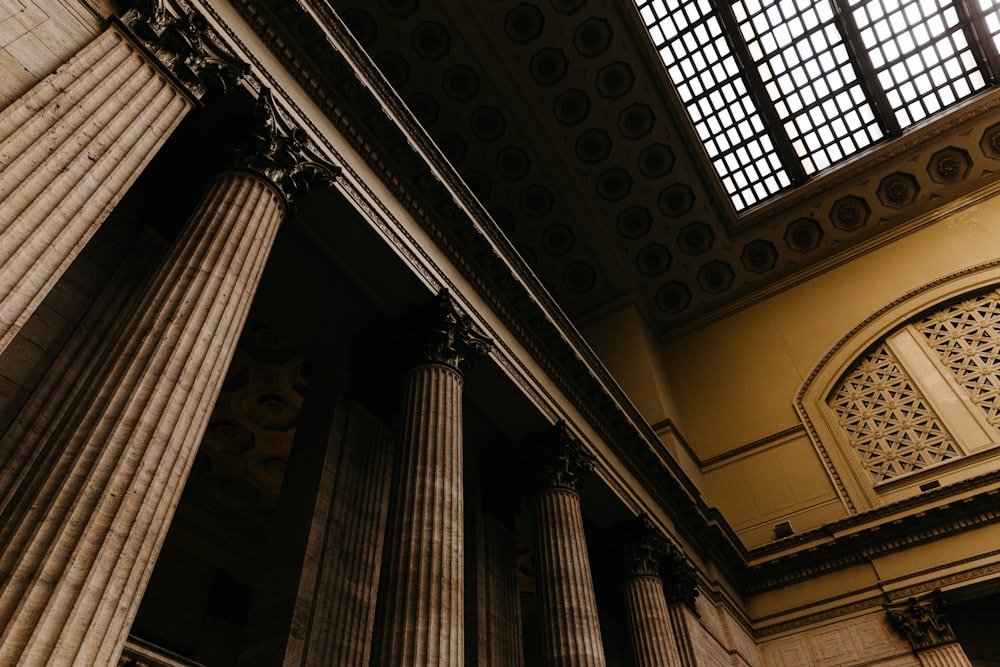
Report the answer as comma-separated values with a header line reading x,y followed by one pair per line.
x,y
966,336
888,421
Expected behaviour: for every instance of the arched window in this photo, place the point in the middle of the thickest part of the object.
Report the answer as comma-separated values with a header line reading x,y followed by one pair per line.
x,y
917,408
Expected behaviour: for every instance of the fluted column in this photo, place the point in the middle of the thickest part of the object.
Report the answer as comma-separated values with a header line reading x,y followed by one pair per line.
x,y
423,620
571,633
80,538
71,146
24,442
643,552
494,634
924,623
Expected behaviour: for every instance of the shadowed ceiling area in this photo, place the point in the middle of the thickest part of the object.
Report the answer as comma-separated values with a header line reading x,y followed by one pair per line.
x,y
561,119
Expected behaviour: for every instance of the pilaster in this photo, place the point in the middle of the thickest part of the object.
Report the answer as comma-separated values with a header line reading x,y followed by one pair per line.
x,y
571,633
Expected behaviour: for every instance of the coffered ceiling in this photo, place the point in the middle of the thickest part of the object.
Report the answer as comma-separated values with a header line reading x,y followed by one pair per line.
x,y
558,115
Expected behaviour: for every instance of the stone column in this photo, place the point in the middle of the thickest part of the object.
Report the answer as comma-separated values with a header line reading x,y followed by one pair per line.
x,y
423,619
72,145
644,552
680,587
493,632
571,633
80,538
23,444
331,613
924,623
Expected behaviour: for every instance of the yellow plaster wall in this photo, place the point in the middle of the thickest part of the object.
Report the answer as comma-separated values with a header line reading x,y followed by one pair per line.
x,y
623,341
740,375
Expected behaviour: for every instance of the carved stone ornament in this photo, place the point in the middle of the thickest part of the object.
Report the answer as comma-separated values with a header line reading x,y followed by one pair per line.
x,y
643,550
559,459
280,151
680,581
922,621
444,335
181,40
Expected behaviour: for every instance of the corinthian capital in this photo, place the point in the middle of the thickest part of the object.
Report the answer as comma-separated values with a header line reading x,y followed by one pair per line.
x,y
441,334
643,550
279,150
181,40
922,621
559,459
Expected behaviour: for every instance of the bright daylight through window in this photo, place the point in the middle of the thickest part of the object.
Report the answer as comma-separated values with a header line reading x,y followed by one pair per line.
x,y
781,89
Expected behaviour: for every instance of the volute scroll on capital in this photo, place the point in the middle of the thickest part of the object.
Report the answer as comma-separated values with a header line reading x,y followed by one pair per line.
x,y
559,459
281,152
442,334
181,40
922,621
642,549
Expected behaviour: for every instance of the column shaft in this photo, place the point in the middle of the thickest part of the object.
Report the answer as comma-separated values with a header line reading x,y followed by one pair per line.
x,y
946,655
424,619
342,617
69,149
79,545
679,623
571,633
504,644
493,634
649,622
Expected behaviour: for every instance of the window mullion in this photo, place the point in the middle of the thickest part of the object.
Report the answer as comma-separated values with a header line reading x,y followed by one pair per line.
x,y
782,145
979,38
844,18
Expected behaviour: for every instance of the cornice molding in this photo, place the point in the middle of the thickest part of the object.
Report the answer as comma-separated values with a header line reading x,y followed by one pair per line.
x,y
859,538
396,148
409,163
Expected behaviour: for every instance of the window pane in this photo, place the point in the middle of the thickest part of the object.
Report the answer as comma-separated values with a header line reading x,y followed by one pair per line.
x,y
690,40
800,56
914,42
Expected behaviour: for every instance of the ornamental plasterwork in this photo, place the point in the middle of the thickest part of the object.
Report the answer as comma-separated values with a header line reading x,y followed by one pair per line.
x,y
442,334
922,621
888,421
559,460
279,150
966,337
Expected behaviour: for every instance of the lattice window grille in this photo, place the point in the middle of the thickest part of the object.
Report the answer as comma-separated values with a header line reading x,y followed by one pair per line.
x,y
966,336
888,422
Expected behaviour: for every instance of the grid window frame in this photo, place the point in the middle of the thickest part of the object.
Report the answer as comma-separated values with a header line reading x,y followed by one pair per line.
x,y
819,82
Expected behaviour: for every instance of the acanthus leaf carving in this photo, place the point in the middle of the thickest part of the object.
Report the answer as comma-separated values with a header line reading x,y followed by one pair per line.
x,y
280,151
182,41
643,550
922,621
442,334
559,459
